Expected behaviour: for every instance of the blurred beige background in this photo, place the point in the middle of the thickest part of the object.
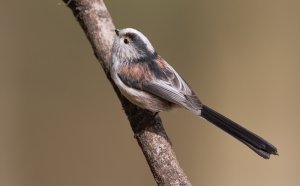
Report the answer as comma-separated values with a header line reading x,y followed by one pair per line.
x,y
60,121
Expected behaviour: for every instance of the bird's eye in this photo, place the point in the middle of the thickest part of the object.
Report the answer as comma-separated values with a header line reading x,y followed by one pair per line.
x,y
126,41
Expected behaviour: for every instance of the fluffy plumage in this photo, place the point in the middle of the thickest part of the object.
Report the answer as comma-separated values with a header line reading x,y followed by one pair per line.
x,y
148,81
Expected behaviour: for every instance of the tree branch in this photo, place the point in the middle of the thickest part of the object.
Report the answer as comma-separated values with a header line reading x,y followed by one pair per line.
x,y
149,132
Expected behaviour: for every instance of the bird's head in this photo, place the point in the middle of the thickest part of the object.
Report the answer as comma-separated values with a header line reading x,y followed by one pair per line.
x,y
130,45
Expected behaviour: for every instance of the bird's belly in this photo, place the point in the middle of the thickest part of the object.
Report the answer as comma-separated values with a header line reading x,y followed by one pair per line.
x,y
145,100
141,98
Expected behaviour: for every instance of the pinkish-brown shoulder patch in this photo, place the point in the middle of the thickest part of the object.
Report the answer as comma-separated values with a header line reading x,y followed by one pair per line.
x,y
137,71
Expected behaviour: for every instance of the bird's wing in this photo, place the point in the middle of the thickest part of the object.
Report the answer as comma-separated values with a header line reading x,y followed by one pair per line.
x,y
161,80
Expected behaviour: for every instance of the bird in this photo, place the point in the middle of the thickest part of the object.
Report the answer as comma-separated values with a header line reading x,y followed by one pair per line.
x,y
149,82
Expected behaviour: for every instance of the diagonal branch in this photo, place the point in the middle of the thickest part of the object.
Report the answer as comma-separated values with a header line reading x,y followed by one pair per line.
x,y
148,130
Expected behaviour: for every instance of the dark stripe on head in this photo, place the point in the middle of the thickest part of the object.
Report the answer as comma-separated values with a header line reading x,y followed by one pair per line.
x,y
130,35
140,45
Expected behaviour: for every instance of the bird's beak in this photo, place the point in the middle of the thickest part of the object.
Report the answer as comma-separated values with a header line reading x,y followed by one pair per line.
x,y
117,31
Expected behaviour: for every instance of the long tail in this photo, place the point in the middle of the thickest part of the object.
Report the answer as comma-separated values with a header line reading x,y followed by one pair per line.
x,y
253,141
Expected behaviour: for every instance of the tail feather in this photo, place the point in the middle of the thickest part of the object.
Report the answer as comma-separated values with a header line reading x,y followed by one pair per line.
x,y
253,141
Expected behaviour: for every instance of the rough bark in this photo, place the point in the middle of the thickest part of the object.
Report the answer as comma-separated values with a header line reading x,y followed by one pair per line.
x,y
149,132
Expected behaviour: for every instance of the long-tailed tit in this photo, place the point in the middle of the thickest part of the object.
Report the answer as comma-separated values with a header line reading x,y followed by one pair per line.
x,y
149,82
